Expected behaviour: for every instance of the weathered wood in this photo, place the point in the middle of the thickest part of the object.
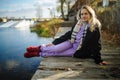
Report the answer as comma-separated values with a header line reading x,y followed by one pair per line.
x,y
85,67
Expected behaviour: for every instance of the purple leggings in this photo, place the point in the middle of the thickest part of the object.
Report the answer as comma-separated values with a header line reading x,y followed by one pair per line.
x,y
62,49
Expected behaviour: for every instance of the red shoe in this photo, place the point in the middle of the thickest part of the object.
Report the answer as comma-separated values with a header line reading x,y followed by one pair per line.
x,y
33,49
31,54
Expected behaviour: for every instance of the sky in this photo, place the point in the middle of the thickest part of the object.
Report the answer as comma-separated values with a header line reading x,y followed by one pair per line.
x,y
26,8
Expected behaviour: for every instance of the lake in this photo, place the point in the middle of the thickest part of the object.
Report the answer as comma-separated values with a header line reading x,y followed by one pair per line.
x,y
13,43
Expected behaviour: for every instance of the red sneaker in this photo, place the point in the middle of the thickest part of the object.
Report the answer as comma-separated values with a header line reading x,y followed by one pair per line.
x,y
33,49
31,54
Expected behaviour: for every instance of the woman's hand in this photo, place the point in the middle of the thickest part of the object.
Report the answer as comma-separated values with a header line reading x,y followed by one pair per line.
x,y
103,63
49,45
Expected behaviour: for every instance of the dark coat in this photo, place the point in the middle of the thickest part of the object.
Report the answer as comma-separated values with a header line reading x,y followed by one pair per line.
x,y
91,45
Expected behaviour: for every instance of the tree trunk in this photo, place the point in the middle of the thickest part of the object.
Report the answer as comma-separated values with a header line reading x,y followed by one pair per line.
x,y
62,11
68,6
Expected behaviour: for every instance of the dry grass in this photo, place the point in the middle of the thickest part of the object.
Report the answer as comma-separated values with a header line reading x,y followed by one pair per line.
x,y
112,39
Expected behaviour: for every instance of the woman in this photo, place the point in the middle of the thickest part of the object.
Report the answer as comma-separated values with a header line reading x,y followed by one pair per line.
x,y
83,41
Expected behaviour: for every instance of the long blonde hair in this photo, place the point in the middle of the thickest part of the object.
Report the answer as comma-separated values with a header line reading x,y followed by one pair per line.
x,y
93,20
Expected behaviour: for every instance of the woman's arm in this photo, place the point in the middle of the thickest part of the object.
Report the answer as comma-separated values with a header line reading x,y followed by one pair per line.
x,y
64,37
97,47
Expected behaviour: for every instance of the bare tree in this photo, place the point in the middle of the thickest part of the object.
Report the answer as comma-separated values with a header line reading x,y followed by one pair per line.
x,y
68,2
64,6
61,7
38,10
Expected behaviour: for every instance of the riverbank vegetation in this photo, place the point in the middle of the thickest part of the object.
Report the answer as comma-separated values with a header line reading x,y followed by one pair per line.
x,y
47,28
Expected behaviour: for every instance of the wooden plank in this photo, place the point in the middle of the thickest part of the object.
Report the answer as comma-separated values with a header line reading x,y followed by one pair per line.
x,y
53,65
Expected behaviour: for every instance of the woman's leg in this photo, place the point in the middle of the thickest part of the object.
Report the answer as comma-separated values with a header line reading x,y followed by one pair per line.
x,y
63,49
65,53
57,48
54,50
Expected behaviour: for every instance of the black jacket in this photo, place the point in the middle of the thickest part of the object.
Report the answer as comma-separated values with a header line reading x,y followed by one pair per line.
x,y
91,45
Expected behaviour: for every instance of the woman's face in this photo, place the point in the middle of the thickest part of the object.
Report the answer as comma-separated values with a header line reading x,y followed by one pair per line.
x,y
85,15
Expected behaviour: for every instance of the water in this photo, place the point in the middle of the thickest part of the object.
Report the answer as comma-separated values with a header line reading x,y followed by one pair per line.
x,y
13,43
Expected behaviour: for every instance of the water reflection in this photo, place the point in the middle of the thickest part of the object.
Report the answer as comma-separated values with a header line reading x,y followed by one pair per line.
x,y
11,64
13,43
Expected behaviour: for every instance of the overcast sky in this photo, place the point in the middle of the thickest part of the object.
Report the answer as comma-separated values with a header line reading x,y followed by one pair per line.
x,y
27,8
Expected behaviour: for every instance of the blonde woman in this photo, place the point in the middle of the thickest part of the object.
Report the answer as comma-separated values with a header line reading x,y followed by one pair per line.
x,y
83,41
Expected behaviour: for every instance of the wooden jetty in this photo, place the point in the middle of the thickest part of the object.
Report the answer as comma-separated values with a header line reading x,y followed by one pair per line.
x,y
69,68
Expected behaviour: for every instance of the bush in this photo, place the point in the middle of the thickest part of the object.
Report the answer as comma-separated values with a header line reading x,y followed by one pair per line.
x,y
110,19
